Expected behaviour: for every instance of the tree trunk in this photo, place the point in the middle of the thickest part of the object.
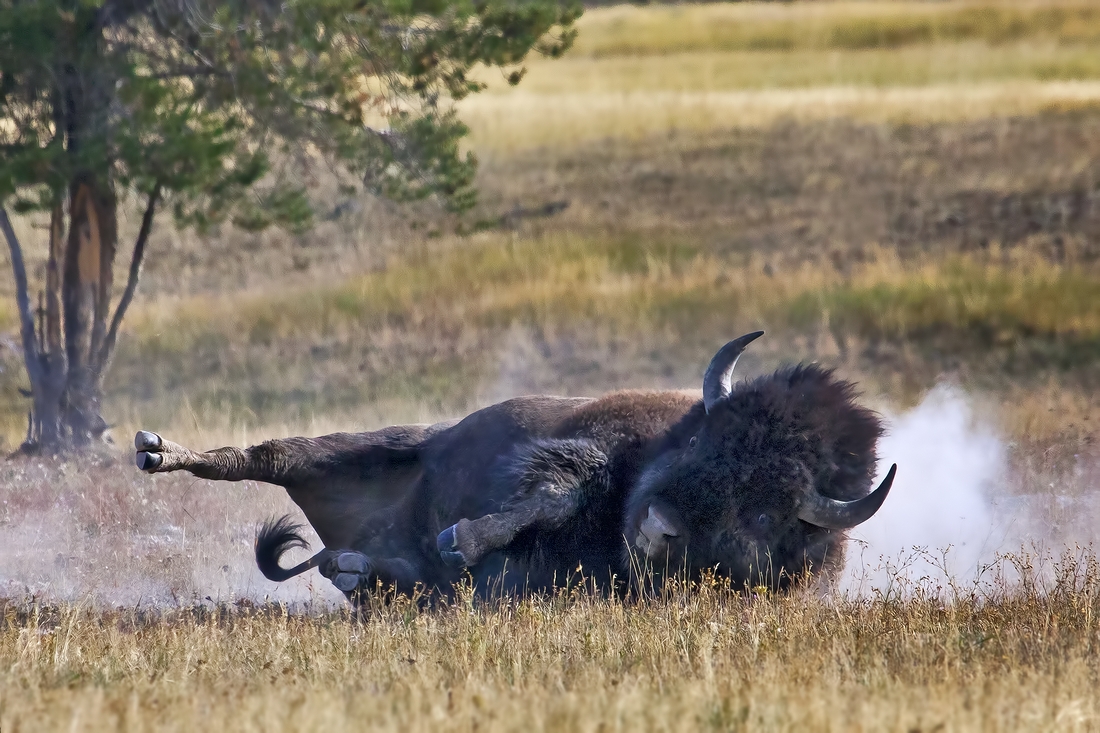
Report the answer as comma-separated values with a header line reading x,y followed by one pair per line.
x,y
48,433
68,352
86,294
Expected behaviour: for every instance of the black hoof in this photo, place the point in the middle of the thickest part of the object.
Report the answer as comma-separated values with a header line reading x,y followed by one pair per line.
x,y
144,440
448,548
149,461
347,582
352,562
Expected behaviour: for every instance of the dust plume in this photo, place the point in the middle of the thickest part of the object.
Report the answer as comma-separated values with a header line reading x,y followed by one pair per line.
x,y
956,507
110,536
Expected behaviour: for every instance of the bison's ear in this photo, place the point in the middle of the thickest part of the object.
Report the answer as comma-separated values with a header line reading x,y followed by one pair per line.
x,y
718,379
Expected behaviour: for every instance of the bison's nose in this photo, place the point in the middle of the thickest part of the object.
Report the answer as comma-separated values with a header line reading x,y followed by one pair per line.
x,y
654,533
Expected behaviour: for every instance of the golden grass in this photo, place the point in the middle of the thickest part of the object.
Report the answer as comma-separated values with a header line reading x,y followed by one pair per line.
x,y
639,71
769,26
722,71
992,656
507,124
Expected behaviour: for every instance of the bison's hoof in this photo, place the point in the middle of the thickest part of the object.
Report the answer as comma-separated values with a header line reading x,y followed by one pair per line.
x,y
448,548
352,562
348,570
149,461
148,450
347,582
145,440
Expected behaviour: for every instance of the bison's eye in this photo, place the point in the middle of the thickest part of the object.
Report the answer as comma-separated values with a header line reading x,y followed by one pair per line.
x,y
692,442
764,521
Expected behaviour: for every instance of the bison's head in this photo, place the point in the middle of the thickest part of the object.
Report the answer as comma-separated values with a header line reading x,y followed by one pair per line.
x,y
759,482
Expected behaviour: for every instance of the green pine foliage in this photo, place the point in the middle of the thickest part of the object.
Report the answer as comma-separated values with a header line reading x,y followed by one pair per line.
x,y
224,103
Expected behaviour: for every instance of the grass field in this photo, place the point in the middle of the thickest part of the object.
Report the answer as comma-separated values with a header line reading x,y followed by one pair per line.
x,y
703,67
906,191
708,660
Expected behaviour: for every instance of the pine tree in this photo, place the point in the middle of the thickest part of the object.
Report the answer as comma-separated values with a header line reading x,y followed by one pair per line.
x,y
184,105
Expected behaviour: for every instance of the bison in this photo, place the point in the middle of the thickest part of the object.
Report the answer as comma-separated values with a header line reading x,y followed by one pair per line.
x,y
755,483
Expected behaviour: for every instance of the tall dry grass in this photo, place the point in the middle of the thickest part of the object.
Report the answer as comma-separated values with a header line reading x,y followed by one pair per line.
x,y
637,72
842,26
940,65
991,656
568,118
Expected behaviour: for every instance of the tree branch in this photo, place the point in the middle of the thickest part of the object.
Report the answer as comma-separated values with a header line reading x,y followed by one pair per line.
x,y
190,72
106,351
118,12
23,301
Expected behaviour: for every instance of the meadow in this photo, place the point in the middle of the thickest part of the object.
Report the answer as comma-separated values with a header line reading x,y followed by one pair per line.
x,y
906,191
704,660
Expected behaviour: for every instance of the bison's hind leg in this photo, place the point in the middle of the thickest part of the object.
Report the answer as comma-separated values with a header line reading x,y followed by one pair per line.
x,y
157,455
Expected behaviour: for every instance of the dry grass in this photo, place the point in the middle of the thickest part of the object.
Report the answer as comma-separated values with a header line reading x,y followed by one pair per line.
x,y
636,72
959,64
987,657
843,26
553,282
506,125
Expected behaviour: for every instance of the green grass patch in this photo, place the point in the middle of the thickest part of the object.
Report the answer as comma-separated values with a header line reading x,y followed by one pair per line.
x,y
986,304
430,330
564,279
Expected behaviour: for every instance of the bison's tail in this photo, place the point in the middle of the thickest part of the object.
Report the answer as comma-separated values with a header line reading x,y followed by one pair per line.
x,y
275,537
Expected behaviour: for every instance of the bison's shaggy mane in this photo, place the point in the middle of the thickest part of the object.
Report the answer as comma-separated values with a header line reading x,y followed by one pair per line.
x,y
814,414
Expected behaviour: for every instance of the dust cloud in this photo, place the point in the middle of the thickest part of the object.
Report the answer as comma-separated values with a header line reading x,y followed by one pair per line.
x,y
956,509
107,535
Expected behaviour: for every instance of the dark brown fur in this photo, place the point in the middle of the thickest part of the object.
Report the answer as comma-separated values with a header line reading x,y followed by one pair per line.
x,y
526,491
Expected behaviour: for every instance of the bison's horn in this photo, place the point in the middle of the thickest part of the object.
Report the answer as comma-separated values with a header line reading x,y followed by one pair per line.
x,y
719,377
829,513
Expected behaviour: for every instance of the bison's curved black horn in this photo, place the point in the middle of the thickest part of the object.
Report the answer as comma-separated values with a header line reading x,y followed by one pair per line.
x,y
719,377
829,513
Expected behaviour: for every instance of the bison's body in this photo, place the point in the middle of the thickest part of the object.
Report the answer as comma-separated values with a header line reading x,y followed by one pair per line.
x,y
756,483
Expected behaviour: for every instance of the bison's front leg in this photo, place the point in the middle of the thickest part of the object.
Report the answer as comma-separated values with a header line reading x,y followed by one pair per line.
x,y
552,481
471,541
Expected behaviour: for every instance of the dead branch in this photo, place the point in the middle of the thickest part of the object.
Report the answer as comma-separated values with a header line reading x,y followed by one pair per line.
x,y
23,302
